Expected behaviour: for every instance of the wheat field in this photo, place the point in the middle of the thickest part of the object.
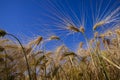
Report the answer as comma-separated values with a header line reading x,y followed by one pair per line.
x,y
98,60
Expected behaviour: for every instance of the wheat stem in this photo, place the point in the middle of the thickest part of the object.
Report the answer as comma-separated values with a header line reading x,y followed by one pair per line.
x,y
27,64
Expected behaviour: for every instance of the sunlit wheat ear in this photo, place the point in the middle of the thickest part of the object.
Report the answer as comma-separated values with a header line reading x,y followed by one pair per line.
x,y
54,38
73,28
68,54
2,33
98,25
82,30
38,53
60,48
40,59
36,41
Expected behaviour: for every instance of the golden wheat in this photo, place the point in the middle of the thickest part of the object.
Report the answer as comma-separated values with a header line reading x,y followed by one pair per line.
x,y
98,24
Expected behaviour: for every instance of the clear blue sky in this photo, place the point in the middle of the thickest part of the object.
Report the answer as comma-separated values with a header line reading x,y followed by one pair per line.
x,y
30,17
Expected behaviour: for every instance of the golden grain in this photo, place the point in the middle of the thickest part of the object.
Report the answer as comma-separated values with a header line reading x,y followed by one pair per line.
x,y
54,38
98,24
73,28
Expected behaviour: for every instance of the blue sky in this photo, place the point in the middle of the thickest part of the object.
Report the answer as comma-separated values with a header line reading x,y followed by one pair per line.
x,y
30,18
